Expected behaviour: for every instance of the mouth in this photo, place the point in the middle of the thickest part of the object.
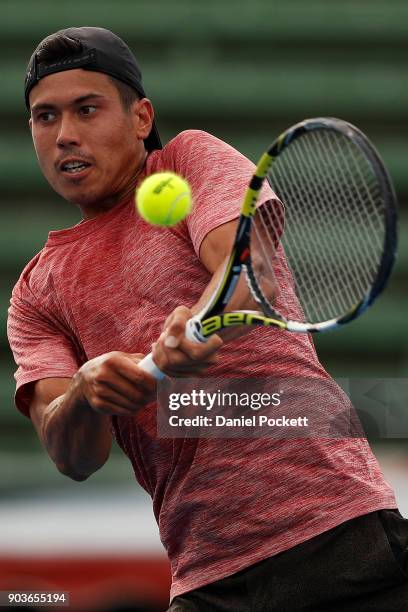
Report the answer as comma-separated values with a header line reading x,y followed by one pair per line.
x,y
73,167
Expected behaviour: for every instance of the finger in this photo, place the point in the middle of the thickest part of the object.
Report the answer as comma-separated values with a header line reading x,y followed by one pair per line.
x,y
179,363
112,408
125,367
186,373
199,351
175,360
180,311
190,354
122,392
187,351
175,327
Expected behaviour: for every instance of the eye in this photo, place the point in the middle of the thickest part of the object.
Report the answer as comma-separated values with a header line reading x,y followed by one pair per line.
x,y
87,110
45,117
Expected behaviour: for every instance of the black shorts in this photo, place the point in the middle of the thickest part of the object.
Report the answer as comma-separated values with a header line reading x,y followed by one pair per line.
x,y
359,566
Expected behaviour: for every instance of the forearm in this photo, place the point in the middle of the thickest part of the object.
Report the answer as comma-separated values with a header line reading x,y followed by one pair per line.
x,y
76,437
174,354
241,300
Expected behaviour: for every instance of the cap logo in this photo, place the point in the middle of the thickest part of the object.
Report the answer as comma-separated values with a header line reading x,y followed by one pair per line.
x,y
66,64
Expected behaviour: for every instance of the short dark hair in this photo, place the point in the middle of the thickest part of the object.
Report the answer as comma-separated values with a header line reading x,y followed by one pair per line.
x,y
58,46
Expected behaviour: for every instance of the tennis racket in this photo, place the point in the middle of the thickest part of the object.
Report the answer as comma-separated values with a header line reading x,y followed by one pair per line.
x,y
319,254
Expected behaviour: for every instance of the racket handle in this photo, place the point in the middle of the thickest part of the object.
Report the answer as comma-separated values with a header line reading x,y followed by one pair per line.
x,y
193,333
147,364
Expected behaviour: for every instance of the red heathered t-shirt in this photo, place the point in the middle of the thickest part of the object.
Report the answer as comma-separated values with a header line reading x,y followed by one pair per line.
x,y
108,284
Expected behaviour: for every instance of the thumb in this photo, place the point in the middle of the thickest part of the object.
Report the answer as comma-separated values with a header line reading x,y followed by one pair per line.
x,y
176,326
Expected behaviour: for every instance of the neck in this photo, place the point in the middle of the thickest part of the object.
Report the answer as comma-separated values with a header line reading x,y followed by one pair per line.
x,y
91,211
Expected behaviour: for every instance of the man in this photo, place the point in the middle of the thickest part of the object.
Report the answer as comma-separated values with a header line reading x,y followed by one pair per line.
x,y
247,524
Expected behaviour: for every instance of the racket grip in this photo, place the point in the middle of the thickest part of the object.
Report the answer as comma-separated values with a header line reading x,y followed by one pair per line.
x,y
193,333
147,364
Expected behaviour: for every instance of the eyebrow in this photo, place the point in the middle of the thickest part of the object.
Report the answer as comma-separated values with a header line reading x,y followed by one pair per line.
x,y
80,100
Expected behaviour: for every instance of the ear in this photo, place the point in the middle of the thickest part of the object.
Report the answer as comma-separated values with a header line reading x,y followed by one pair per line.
x,y
143,115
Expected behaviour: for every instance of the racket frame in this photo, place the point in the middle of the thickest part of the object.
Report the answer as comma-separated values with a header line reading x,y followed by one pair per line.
x,y
213,318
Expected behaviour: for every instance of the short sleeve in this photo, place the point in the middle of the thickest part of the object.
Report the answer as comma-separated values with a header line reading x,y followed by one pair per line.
x,y
40,345
219,176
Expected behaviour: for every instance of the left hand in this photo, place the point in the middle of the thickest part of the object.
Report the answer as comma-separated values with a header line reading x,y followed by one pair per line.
x,y
178,357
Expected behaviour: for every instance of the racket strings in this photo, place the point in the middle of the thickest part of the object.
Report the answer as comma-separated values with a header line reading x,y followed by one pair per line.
x,y
341,299
361,275
267,231
308,255
344,239
273,276
370,213
353,189
334,225
344,223
366,189
307,260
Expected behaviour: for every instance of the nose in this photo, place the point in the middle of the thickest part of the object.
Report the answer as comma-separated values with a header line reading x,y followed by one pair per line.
x,y
68,134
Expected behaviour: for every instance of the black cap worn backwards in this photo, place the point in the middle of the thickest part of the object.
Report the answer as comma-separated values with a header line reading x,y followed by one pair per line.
x,y
102,51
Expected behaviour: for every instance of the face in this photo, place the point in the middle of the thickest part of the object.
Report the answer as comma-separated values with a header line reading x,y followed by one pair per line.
x,y
89,148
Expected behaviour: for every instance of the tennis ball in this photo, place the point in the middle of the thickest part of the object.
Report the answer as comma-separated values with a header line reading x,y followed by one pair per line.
x,y
163,198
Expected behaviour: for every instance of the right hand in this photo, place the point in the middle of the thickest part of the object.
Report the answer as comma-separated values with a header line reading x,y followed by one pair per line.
x,y
175,355
112,384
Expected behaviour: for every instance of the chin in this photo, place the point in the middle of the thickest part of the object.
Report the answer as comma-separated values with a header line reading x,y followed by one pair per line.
x,y
81,198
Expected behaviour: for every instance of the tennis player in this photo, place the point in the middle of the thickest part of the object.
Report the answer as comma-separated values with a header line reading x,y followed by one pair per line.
x,y
257,524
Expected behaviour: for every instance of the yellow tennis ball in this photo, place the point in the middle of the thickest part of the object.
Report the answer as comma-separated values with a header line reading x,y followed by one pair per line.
x,y
164,198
